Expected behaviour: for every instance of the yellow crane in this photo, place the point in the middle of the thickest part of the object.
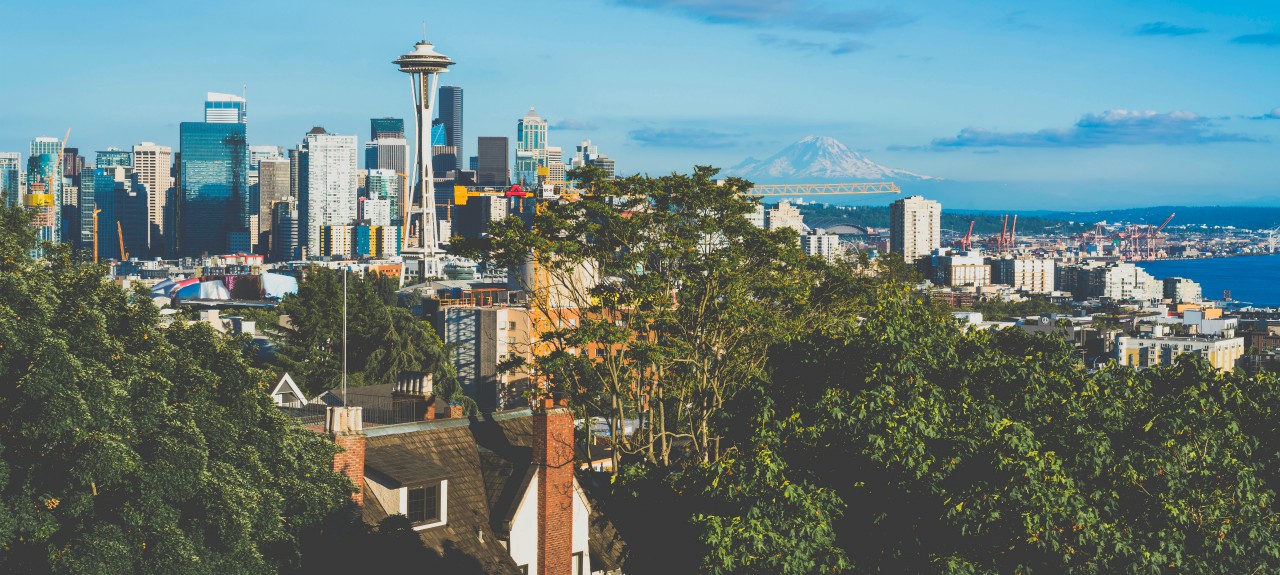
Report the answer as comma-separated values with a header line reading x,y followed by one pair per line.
x,y
850,189
124,256
96,211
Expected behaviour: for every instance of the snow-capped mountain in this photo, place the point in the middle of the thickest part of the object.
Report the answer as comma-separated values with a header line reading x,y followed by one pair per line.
x,y
820,158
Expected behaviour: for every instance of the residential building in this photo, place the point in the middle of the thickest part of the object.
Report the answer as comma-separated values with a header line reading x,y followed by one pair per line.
x,y
820,243
376,241
555,164
328,189
225,109
1142,352
959,268
213,188
284,232
492,162
375,212
499,489
480,338
784,215
449,105
386,185
914,227
1181,290
153,167
1026,273
531,147
335,241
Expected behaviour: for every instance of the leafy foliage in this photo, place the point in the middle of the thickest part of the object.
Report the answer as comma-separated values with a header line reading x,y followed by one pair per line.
x,y
132,447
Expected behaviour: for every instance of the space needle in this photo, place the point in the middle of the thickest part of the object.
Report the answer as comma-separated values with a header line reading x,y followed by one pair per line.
x,y
423,65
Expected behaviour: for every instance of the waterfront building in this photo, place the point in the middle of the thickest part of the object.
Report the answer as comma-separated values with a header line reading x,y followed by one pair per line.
x,y
915,227
225,109
492,161
531,147
1143,352
1026,273
450,103
328,188
153,167
213,188
1181,290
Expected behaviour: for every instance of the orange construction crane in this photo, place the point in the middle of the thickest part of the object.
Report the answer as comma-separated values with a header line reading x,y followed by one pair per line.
x,y
96,211
124,256
967,241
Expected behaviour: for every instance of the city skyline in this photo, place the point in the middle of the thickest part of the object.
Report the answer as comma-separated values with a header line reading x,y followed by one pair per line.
x,y
1049,107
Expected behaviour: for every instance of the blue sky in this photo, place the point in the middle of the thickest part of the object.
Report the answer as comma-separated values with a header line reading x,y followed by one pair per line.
x,y
1022,105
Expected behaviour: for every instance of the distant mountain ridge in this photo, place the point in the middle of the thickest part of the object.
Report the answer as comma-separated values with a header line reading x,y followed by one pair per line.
x,y
819,158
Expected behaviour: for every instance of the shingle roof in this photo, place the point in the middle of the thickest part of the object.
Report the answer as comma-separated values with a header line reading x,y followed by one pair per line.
x,y
479,459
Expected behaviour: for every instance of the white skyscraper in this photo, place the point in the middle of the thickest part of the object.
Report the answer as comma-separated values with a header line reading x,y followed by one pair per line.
x,y
531,147
915,227
328,190
152,164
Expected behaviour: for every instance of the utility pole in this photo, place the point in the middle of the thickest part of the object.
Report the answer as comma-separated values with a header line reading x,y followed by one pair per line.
x,y
344,336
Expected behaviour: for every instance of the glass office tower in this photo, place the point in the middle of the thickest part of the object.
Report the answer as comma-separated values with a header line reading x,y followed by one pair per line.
x,y
213,211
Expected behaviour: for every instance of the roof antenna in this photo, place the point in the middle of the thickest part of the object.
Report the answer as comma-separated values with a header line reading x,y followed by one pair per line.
x,y
424,29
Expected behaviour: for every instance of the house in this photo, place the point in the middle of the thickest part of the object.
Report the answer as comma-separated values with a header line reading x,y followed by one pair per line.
x,y
287,394
499,488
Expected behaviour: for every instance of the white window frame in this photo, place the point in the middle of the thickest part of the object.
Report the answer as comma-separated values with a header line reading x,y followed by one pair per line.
x,y
444,505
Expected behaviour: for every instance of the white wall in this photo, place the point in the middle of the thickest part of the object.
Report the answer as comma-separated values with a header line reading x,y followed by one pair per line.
x,y
581,524
524,529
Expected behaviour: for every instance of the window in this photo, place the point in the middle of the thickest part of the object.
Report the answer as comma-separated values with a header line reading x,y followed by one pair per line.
x,y
524,569
424,504
600,352
512,325
578,567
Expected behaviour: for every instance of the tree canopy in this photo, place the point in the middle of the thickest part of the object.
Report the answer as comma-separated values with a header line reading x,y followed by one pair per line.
x,y
128,446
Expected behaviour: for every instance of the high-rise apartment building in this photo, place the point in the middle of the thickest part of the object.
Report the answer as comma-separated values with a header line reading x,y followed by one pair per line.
x,y
915,227
328,188
10,168
386,185
380,128
213,195
531,147
784,215
450,105
273,187
225,109
555,164
492,162
152,166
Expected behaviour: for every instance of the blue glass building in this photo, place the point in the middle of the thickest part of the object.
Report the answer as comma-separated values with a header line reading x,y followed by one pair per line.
x,y
113,158
213,201
386,128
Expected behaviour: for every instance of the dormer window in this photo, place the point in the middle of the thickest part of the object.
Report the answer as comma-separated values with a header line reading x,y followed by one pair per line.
x,y
424,504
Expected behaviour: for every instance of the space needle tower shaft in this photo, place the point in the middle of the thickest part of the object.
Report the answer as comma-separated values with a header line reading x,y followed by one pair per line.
x,y
424,65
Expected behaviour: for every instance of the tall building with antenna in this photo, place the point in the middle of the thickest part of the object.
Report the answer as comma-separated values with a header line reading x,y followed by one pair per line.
x,y
424,65
531,147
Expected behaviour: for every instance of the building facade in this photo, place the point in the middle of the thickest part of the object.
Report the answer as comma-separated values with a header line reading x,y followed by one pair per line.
x,y
450,110
915,227
213,189
1026,273
821,244
328,190
1142,352
531,147
225,109
153,166
1182,290
492,162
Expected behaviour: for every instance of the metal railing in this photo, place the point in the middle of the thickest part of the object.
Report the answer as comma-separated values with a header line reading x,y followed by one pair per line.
x,y
378,409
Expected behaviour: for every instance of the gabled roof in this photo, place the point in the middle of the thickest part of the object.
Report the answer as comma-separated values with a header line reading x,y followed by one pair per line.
x,y
286,386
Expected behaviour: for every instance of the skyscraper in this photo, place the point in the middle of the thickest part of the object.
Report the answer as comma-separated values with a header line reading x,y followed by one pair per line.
x,y
531,147
386,128
914,227
114,157
225,109
385,185
589,155
451,118
328,187
284,232
492,161
387,154
53,180
10,167
44,187
273,187
72,164
108,186
152,165
555,164
213,211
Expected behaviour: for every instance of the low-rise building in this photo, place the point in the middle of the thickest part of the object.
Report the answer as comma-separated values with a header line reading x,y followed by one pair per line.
x,y
954,269
1025,273
1181,290
1141,352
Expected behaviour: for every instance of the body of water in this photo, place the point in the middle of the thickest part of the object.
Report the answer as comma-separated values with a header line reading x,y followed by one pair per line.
x,y
1253,279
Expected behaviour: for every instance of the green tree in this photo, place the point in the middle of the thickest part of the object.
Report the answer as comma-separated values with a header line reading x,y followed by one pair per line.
x,y
128,446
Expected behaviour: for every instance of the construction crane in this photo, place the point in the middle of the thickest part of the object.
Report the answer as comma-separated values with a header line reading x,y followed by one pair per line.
x,y
851,189
124,256
96,211
966,242
1005,241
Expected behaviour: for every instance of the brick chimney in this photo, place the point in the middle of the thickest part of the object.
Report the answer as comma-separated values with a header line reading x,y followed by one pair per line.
x,y
345,426
553,456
